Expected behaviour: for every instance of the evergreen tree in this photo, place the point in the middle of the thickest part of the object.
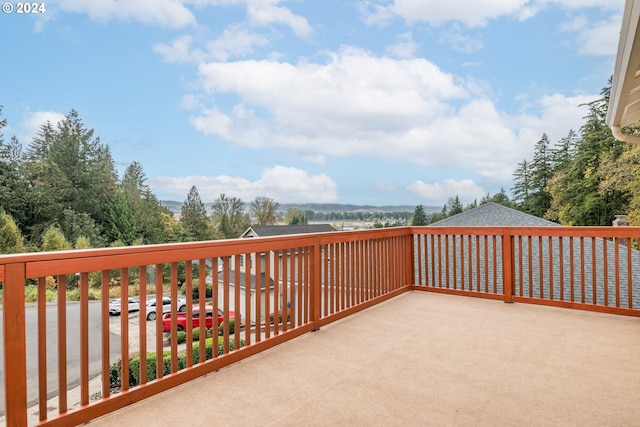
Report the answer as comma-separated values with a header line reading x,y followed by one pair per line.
x,y
419,217
577,199
563,152
75,225
67,168
454,206
541,171
12,188
194,217
522,186
135,214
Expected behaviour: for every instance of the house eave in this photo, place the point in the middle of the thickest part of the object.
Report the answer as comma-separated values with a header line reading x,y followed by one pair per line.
x,y
624,101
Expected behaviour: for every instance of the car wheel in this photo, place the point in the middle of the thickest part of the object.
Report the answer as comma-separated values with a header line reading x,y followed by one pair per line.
x,y
151,316
182,309
180,328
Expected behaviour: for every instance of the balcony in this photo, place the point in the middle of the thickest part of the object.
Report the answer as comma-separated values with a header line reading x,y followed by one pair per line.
x,y
397,339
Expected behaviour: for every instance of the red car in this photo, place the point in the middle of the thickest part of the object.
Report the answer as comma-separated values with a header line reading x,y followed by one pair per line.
x,y
181,319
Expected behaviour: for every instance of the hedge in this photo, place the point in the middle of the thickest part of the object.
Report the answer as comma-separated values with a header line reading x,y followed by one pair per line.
x,y
134,362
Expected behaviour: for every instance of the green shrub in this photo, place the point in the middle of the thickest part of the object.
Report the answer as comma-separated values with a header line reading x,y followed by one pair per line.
x,y
195,291
134,367
196,333
134,362
232,327
181,336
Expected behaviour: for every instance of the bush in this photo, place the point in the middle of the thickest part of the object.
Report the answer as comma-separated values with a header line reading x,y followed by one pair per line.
x,y
181,336
232,327
195,291
134,362
195,333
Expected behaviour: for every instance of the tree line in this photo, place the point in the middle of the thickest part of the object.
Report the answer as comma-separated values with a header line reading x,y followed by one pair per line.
x,y
585,179
62,191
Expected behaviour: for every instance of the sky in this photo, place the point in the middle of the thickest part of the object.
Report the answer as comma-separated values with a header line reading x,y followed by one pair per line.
x,y
377,102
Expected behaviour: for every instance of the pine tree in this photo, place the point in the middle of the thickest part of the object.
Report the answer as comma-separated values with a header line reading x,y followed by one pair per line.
x,y
194,217
522,187
454,206
419,217
541,172
577,199
67,168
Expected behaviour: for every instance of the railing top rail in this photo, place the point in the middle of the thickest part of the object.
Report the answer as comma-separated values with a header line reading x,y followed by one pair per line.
x,y
77,261
568,231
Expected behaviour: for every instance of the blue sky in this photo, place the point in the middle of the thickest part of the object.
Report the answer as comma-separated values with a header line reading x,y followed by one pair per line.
x,y
383,102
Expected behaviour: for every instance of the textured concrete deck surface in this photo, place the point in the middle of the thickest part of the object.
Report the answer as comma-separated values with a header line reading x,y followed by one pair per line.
x,y
424,359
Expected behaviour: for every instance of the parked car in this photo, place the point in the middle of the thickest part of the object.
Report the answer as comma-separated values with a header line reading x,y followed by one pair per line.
x,y
115,307
181,319
181,304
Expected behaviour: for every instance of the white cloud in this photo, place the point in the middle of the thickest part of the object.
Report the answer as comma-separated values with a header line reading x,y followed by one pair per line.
x,y
472,14
282,184
373,13
469,13
404,47
554,115
439,193
176,13
33,121
357,104
599,38
235,41
459,41
265,13
177,51
165,13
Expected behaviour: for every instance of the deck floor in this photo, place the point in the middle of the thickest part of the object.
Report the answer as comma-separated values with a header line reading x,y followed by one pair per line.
x,y
424,359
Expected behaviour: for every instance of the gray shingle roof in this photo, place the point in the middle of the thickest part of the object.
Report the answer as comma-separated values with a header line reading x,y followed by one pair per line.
x,y
253,279
493,214
596,252
283,230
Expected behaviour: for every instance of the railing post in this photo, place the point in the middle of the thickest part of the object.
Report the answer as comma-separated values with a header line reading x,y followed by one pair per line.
x,y
411,261
507,265
316,285
15,367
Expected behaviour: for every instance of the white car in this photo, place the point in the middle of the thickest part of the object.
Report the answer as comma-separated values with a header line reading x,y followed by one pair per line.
x,y
115,307
166,306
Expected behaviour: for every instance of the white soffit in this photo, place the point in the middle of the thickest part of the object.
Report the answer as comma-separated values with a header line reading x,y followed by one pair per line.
x,y
624,103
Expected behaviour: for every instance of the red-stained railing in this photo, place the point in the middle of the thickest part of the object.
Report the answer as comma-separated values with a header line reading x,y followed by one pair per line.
x,y
277,288
587,268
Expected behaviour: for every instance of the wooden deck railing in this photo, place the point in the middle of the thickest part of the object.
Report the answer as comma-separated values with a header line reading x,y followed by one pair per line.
x,y
587,268
278,288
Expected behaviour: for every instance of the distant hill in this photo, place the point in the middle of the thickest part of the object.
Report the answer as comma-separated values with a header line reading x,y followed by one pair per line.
x,y
176,207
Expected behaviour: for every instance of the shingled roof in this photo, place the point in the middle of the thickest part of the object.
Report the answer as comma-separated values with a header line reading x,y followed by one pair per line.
x,y
540,270
283,230
493,214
